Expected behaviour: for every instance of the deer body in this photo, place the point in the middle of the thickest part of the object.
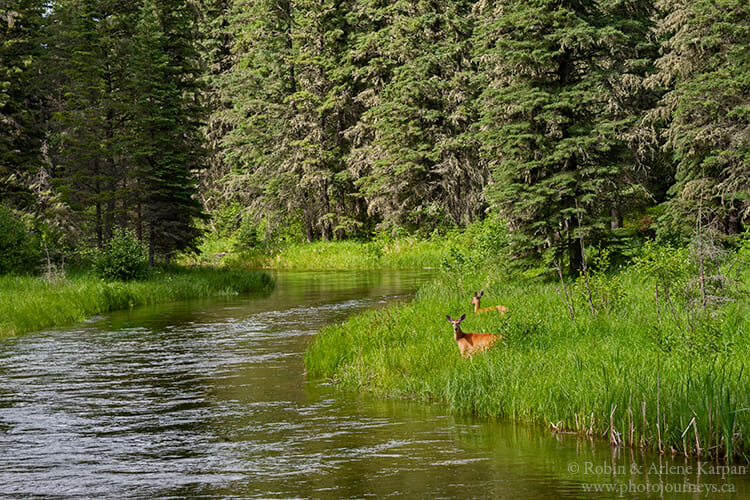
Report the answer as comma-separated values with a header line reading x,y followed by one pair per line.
x,y
477,310
469,343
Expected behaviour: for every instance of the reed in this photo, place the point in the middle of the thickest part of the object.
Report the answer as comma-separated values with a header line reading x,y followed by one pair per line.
x,y
598,375
33,303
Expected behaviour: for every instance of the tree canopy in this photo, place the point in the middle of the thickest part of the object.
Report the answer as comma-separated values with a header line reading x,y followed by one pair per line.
x,y
341,118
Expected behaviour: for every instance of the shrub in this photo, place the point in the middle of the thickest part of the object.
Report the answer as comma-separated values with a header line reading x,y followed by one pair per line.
x,y
19,249
122,258
247,234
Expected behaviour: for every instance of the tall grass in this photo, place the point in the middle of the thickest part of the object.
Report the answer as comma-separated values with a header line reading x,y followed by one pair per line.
x,y
28,303
406,252
621,375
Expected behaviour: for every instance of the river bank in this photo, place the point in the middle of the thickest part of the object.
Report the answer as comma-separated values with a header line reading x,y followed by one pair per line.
x,y
630,373
33,303
205,398
384,251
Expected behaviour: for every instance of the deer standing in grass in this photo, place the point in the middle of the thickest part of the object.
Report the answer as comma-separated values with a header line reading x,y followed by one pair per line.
x,y
477,309
469,343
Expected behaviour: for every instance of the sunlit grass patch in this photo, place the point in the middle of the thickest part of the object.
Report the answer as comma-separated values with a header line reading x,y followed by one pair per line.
x,y
32,303
622,376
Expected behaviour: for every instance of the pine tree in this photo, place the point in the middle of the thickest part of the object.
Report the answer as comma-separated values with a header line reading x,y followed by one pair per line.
x,y
415,155
166,142
550,131
705,112
21,129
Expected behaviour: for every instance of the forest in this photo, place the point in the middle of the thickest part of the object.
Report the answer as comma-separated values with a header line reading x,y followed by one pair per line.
x,y
608,122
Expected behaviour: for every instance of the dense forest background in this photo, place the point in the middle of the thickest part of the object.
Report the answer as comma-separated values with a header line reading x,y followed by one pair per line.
x,y
607,121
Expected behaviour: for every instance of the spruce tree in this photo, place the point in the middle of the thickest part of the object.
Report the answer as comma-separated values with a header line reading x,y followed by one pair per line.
x,y
549,129
704,116
21,128
87,65
215,47
416,157
289,113
165,144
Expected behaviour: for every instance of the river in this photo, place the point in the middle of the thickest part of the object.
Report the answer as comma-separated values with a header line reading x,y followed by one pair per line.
x,y
209,399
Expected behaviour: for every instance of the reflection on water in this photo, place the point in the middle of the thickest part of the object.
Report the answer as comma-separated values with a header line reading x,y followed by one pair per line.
x,y
208,399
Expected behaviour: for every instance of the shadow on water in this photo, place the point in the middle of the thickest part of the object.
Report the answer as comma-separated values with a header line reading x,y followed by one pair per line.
x,y
208,399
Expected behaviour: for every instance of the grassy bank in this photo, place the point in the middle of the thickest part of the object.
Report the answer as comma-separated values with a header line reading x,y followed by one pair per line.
x,y
405,252
30,303
626,374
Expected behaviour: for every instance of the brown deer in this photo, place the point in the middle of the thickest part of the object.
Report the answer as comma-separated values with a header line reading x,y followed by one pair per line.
x,y
469,343
477,309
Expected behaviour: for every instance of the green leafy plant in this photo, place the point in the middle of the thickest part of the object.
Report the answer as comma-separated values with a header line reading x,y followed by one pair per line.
x,y
19,249
122,258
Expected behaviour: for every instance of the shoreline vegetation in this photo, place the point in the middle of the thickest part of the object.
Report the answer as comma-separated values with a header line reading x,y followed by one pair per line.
x,y
643,354
33,303
605,357
408,252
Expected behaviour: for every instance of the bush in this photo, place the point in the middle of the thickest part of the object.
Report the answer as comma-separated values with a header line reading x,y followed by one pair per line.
x,y
247,235
19,249
122,258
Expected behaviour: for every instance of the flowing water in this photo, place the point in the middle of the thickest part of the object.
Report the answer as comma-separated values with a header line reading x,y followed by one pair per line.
x,y
208,399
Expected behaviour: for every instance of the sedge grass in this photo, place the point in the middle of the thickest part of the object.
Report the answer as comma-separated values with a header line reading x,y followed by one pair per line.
x,y
33,303
621,375
406,252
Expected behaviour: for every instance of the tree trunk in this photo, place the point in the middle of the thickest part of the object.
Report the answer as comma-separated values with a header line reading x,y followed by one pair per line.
x,y
307,218
151,245
616,215
574,250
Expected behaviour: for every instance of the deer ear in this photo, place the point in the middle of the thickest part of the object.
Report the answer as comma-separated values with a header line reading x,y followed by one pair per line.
x,y
475,294
448,318
463,316
481,293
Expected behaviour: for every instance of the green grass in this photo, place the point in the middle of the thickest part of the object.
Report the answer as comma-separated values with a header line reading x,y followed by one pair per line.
x,y
622,367
32,303
401,253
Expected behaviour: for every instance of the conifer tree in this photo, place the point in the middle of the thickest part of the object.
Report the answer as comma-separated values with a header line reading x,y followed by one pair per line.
x,y
215,46
87,65
705,112
285,143
166,143
21,97
417,160
550,132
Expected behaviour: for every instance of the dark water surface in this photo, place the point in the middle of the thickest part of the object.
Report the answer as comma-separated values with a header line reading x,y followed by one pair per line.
x,y
208,399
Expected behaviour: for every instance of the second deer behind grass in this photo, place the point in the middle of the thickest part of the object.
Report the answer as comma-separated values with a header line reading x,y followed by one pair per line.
x,y
477,309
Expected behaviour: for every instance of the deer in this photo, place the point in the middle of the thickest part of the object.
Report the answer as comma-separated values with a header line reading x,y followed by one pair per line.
x,y
479,310
469,343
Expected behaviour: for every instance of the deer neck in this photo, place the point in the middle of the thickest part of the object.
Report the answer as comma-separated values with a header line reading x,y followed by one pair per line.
x,y
476,306
458,334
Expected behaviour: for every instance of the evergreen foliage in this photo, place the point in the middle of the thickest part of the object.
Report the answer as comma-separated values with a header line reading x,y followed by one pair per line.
x,y
704,115
89,111
165,143
418,162
124,134
554,118
19,249
574,123
122,258
20,97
